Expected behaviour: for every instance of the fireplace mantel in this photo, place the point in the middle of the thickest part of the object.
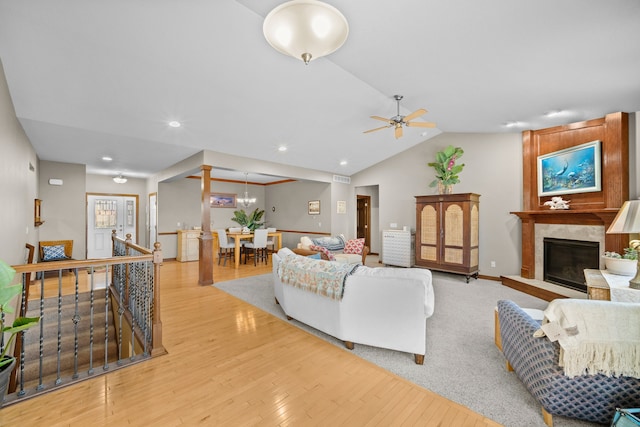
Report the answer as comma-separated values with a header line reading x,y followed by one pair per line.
x,y
570,216
604,217
594,208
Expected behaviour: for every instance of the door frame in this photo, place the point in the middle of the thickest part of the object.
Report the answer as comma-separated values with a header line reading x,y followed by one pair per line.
x,y
86,215
367,216
152,204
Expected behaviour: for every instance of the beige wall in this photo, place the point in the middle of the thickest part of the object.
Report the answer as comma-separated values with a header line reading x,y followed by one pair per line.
x,y
493,169
18,182
63,206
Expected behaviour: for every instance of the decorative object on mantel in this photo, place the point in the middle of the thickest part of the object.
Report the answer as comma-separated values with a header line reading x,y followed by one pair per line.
x,y
446,169
556,202
622,265
628,221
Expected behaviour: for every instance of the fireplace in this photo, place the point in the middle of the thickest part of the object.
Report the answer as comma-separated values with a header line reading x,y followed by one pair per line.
x,y
565,261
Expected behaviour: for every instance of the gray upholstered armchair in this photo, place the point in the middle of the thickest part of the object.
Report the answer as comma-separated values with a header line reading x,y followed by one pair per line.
x,y
535,360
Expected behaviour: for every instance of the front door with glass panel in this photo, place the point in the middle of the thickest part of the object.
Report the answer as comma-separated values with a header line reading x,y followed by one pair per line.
x,y
104,214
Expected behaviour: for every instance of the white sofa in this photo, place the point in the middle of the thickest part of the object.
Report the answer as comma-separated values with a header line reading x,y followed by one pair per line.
x,y
337,251
381,307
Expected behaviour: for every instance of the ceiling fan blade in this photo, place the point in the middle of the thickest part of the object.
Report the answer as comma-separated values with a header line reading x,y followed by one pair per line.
x,y
421,124
381,119
398,131
373,130
415,114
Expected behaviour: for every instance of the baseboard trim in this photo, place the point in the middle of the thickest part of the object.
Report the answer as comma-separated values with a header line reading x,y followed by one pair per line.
x,y
494,278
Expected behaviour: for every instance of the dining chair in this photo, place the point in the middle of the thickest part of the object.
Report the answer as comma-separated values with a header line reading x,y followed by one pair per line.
x,y
233,230
226,249
257,247
270,239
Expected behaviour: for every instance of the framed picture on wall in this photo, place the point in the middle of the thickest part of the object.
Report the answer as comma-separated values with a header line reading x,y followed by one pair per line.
x,y
572,170
314,207
341,206
223,200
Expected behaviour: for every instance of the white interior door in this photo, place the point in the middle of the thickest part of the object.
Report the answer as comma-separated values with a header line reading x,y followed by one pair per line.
x,y
104,214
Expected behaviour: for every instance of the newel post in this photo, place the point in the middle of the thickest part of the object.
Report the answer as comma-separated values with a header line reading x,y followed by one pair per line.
x,y
156,338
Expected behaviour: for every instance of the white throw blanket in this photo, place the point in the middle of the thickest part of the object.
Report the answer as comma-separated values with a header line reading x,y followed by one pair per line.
x,y
601,337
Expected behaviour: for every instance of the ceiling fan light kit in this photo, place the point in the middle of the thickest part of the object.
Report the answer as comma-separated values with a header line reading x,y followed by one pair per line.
x,y
399,120
305,29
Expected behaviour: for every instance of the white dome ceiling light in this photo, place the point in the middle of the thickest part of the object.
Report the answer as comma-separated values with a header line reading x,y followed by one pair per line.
x,y
306,29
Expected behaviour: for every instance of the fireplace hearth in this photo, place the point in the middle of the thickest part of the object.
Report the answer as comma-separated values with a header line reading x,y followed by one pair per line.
x,y
565,261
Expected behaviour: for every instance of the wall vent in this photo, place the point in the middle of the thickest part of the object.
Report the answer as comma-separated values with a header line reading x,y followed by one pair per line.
x,y
342,179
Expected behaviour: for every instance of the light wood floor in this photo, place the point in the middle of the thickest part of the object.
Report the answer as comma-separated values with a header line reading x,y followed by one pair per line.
x,y
231,364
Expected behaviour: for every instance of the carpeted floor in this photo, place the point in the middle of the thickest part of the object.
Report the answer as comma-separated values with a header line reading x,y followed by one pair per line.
x,y
462,362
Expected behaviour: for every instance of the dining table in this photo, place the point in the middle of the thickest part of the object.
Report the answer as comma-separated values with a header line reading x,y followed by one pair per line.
x,y
238,237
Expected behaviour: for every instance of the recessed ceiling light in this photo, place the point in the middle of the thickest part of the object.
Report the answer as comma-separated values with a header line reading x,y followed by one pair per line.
x,y
554,113
175,124
343,163
513,124
107,158
282,148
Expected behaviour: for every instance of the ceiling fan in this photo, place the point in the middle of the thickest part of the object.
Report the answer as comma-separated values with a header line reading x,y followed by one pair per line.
x,y
398,120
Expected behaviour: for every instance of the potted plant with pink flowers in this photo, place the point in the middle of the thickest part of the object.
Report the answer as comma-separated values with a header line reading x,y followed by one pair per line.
x,y
447,170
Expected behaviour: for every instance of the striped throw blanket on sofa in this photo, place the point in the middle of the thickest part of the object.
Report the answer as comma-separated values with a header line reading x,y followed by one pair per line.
x,y
321,277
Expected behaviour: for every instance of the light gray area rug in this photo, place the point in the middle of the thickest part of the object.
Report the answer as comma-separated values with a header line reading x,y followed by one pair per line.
x,y
462,362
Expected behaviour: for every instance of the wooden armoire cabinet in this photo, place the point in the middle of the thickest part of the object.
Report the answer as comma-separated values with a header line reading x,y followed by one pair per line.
x,y
447,233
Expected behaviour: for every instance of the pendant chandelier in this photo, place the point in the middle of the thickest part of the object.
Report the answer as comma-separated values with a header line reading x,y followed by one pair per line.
x,y
246,201
306,29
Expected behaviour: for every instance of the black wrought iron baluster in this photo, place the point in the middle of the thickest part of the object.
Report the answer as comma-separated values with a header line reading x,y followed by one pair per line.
x,y
76,320
59,359
106,322
91,305
23,312
41,339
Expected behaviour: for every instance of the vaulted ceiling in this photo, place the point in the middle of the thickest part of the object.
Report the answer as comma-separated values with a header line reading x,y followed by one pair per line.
x,y
103,78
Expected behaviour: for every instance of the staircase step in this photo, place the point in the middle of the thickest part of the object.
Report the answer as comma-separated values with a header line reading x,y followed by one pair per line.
x,y
49,324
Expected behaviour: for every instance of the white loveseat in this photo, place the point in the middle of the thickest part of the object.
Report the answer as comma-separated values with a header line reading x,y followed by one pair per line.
x,y
381,307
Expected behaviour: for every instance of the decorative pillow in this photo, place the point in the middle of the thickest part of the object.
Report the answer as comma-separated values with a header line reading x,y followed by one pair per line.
x,y
332,243
354,246
324,250
305,242
53,253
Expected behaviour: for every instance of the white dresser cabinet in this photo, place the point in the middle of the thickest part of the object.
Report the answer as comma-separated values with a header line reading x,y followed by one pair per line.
x,y
398,248
188,245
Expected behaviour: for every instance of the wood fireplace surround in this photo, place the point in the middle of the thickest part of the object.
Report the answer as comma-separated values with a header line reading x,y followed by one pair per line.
x,y
593,208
